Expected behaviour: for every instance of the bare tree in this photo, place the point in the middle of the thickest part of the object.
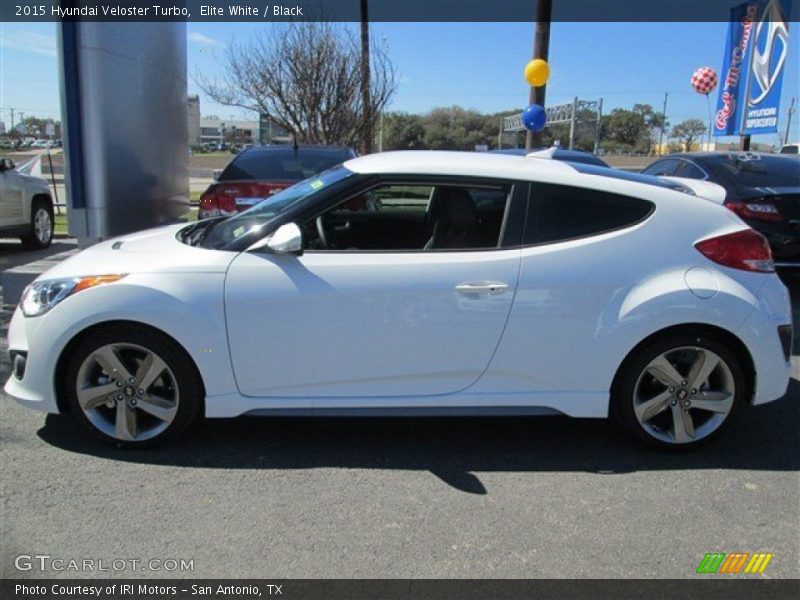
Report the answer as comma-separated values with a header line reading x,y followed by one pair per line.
x,y
307,78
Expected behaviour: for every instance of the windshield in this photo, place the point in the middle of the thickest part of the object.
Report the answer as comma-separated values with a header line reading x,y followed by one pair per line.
x,y
283,164
755,170
259,216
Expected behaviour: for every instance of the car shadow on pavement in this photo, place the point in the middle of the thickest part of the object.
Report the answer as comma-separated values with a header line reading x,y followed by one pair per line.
x,y
454,449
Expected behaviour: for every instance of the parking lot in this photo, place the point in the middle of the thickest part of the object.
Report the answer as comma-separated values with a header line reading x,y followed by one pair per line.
x,y
382,498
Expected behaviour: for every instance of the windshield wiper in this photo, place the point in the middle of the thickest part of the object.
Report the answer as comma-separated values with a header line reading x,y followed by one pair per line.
x,y
196,233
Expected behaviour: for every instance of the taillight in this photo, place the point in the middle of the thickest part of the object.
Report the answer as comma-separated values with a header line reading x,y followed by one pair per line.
x,y
761,209
230,198
746,250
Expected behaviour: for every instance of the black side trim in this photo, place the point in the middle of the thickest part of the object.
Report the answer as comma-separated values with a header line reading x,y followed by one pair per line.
x,y
409,411
785,333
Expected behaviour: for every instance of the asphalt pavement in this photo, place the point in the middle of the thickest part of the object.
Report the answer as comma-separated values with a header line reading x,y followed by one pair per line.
x,y
385,498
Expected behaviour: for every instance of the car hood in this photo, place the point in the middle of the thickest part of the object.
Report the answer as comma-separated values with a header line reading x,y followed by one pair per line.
x,y
151,251
33,180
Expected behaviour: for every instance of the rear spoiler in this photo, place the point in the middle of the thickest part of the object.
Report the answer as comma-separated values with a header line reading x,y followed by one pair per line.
x,y
703,189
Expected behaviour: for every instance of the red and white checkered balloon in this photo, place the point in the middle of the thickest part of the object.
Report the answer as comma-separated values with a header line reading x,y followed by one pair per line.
x,y
704,80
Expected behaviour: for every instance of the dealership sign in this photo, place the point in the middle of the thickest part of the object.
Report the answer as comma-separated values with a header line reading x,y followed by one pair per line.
x,y
752,70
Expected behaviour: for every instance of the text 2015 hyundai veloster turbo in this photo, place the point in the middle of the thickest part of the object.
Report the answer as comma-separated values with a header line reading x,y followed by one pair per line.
x,y
418,283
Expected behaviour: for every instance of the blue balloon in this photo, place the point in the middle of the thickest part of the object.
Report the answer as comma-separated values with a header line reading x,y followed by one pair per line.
x,y
534,118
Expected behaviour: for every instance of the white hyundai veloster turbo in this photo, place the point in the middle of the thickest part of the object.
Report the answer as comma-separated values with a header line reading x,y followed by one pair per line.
x,y
418,283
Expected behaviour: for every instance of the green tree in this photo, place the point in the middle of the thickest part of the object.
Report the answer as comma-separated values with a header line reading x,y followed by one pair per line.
x,y
688,131
652,121
624,128
403,131
456,128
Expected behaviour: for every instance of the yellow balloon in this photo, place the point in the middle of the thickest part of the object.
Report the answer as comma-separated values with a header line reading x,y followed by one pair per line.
x,y
537,72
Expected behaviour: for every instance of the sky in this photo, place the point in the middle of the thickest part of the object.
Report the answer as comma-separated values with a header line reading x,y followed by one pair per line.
x,y
474,65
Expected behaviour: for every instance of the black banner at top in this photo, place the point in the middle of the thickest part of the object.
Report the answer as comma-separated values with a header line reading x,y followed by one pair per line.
x,y
266,11
399,589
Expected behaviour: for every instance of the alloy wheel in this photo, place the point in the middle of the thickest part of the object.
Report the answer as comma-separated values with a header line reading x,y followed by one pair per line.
x,y
42,226
683,395
127,392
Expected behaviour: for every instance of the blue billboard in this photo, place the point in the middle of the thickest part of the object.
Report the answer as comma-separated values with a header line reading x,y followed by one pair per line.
x,y
752,69
770,47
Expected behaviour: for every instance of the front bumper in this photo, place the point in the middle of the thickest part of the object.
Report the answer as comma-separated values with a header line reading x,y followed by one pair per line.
x,y
35,389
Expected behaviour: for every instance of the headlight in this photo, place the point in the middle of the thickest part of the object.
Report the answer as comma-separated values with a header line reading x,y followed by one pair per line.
x,y
41,296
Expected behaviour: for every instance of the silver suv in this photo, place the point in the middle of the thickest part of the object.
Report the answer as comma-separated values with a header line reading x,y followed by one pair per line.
x,y
26,208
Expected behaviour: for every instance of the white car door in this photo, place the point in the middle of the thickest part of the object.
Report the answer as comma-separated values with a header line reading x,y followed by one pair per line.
x,y
367,323
11,198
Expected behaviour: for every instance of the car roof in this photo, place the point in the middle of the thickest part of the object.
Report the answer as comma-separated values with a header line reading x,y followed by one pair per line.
x,y
443,162
504,166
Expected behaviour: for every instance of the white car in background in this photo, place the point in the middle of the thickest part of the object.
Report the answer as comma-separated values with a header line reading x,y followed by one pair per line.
x,y
485,284
26,208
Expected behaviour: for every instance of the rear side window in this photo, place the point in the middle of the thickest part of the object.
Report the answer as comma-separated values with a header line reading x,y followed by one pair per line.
x,y
689,170
662,167
282,165
558,213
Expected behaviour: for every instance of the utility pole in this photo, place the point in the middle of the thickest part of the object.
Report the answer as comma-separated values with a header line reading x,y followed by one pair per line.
x,y
365,77
788,122
663,122
11,128
541,49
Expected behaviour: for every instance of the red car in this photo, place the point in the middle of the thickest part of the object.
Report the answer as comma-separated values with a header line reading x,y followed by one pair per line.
x,y
259,172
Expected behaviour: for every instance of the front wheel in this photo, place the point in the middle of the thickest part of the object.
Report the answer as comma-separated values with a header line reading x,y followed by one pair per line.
x,y
679,392
42,226
132,386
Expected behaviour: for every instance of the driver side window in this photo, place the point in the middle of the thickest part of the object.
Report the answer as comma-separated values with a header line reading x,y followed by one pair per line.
x,y
411,217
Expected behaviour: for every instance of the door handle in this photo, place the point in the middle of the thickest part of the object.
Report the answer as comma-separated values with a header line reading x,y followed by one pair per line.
x,y
482,287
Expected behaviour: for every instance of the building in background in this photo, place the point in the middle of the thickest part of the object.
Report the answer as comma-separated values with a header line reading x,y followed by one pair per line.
x,y
214,130
194,119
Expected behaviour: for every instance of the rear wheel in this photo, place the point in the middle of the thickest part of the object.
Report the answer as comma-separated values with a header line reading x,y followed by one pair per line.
x,y
132,386
42,225
679,392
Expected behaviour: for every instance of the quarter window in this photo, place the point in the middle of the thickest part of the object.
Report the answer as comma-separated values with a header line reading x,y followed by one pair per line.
x,y
558,213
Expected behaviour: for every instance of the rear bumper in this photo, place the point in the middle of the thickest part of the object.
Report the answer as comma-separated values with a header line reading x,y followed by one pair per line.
x,y
762,335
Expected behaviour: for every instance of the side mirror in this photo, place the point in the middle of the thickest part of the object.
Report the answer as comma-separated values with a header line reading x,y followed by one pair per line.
x,y
288,239
6,164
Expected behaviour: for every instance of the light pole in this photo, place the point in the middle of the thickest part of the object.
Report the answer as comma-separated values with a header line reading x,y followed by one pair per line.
x,y
663,123
788,122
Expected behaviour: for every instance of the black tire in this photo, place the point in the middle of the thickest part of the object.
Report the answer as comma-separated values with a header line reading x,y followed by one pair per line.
x,y
30,240
189,384
623,390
